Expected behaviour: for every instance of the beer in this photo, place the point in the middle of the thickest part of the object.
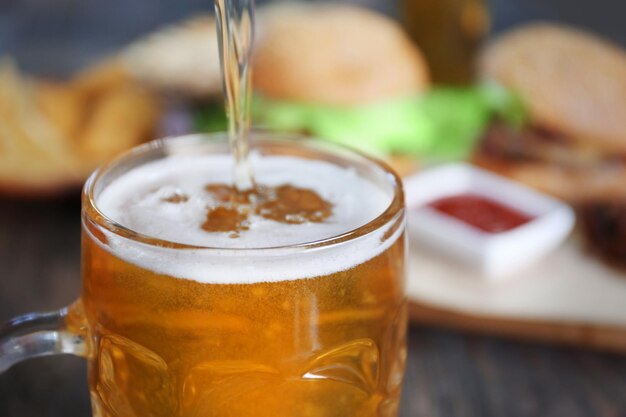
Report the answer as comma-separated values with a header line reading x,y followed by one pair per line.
x,y
449,32
302,318
235,30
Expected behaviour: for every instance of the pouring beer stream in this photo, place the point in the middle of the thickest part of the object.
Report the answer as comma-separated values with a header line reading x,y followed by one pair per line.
x,y
235,206
235,26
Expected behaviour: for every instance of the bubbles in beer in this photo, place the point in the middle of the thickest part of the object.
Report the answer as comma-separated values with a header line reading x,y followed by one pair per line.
x,y
175,198
169,199
296,201
225,219
293,205
284,204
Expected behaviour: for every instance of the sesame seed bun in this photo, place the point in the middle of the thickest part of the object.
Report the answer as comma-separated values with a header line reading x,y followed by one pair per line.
x,y
334,54
572,82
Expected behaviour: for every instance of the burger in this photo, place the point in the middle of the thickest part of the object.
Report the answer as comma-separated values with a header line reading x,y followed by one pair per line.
x,y
353,76
339,72
572,85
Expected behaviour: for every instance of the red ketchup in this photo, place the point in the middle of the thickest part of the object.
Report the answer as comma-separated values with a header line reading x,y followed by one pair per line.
x,y
480,212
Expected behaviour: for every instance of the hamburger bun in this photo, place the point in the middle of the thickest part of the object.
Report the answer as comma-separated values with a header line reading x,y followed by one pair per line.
x,y
182,58
573,83
334,54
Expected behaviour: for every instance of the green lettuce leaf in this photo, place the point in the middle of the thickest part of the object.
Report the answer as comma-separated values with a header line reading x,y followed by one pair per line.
x,y
443,124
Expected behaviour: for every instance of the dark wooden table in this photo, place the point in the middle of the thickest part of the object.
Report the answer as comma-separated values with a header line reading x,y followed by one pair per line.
x,y
448,374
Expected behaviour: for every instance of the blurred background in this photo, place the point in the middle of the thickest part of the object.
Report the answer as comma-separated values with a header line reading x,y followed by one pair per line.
x,y
58,37
554,361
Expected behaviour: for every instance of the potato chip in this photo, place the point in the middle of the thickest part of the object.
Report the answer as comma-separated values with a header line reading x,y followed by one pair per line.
x,y
120,119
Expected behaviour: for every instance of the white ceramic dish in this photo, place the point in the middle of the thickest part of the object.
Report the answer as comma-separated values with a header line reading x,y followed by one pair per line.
x,y
496,255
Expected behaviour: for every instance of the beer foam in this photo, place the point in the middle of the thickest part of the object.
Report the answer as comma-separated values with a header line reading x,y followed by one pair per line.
x,y
138,198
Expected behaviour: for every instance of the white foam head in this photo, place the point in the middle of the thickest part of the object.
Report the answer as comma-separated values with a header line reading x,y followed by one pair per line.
x,y
136,200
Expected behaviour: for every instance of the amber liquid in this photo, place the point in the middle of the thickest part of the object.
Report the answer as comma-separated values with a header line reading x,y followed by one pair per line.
x,y
331,345
449,32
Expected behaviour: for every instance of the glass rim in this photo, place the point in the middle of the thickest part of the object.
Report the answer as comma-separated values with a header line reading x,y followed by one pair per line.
x,y
92,214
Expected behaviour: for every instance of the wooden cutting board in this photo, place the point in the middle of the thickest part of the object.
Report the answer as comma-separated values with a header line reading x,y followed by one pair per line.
x,y
570,298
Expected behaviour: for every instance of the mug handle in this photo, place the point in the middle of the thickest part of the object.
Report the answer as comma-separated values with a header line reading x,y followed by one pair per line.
x,y
42,334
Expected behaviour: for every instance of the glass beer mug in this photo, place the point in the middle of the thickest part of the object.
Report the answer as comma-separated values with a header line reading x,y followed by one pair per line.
x,y
175,328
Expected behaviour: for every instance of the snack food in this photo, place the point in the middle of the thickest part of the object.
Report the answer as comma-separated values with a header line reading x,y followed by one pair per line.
x,y
339,72
573,85
33,153
352,76
53,134
335,55
182,58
